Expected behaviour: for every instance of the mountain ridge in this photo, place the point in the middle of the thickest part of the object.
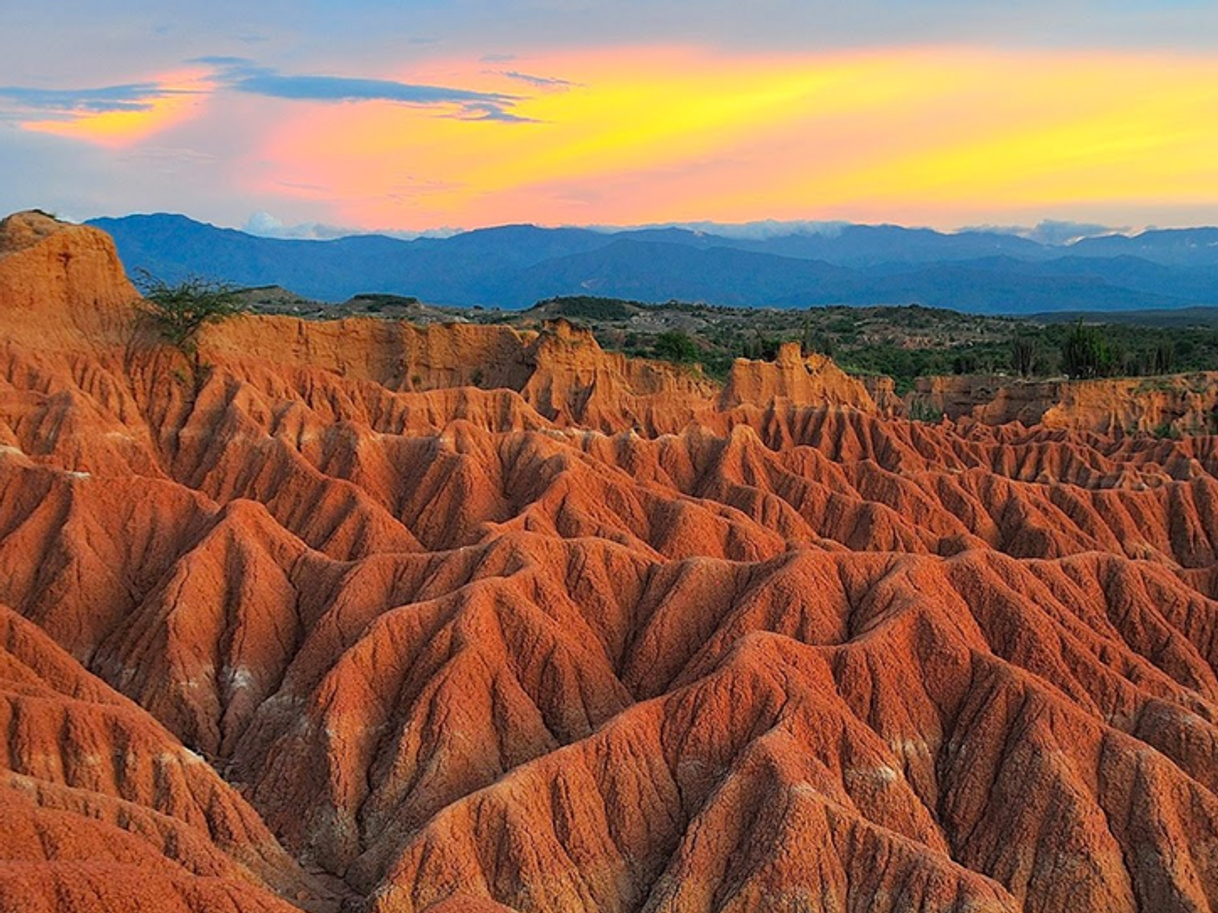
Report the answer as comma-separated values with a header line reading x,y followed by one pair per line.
x,y
513,266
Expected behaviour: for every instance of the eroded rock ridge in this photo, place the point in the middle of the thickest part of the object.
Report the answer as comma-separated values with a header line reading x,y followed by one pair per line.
x,y
450,619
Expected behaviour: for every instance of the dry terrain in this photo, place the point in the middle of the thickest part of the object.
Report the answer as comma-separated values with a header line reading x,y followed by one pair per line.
x,y
364,615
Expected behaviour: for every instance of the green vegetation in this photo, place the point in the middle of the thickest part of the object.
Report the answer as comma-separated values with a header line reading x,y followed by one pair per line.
x,y
1165,357
376,302
586,307
924,412
674,345
1023,354
1086,353
178,311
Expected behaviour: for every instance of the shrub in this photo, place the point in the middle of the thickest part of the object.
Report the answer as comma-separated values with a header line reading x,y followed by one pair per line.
x,y
587,307
964,363
1085,353
180,310
675,345
922,411
378,301
1023,354
1164,359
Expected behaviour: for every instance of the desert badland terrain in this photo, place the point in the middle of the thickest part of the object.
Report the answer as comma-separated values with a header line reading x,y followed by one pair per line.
x,y
461,618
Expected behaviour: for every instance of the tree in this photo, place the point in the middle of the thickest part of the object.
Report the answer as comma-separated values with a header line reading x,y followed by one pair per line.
x,y
767,346
1164,358
1023,354
964,363
811,341
1085,353
178,311
675,345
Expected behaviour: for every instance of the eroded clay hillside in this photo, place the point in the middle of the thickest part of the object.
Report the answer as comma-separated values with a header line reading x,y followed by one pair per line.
x,y
1171,406
366,616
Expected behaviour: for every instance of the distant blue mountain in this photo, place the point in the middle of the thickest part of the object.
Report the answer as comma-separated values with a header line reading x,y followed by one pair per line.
x,y
1170,247
515,265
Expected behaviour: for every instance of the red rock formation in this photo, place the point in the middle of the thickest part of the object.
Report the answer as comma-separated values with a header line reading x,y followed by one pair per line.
x,y
587,635
1178,404
104,809
60,285
805,381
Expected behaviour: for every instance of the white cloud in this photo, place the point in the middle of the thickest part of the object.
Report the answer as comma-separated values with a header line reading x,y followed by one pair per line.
x,y
265,225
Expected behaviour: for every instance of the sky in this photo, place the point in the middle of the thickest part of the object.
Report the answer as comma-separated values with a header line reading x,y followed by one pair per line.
x,y
315,118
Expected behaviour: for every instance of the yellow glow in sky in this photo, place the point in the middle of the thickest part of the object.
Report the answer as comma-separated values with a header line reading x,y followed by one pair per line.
x,y
665,134
933,135
181,98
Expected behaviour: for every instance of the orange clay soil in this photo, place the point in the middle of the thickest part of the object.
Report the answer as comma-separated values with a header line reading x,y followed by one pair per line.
x,y
1178,405
464,620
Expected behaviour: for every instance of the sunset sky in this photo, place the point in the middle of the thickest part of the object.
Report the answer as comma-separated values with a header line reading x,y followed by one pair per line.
x,y
317,117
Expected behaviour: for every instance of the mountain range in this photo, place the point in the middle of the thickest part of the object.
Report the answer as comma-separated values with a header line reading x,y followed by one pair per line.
x,y
515,265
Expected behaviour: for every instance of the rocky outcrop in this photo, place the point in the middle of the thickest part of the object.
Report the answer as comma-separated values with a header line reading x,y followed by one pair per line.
x,y
582,633
61,285
804,381
1175,404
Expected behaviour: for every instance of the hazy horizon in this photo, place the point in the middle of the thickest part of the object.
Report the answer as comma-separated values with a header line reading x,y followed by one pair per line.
x,y
1050,232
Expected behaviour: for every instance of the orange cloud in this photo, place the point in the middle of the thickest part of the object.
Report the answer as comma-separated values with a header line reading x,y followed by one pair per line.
x,y
177,97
